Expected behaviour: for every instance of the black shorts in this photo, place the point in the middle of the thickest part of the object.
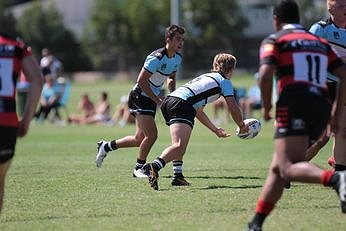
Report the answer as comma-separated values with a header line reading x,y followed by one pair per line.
x,y
302,111
140,104
8,139
176,110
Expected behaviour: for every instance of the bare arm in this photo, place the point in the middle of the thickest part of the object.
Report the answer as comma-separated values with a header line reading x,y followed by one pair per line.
x,y
203,118
235,112
266,73
32,72
143,82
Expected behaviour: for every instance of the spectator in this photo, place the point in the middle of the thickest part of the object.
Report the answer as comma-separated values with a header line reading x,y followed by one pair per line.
x,y
220,104
23,86
122,114
85,109
48,100
252,100
50,64
100,113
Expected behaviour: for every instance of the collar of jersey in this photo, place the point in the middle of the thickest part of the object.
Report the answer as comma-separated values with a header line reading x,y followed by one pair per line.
x,y
292,26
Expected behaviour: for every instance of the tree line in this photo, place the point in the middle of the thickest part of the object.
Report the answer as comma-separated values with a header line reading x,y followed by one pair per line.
x,y
120,33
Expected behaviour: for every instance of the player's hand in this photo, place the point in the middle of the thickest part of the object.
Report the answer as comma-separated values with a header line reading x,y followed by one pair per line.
x,y
221,133
23,128
244,129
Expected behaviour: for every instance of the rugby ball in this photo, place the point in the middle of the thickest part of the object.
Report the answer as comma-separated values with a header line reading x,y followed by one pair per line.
x,y
254,129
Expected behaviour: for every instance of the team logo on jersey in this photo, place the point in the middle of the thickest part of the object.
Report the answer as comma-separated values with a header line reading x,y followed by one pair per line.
x,y
267,48
336,35
164,66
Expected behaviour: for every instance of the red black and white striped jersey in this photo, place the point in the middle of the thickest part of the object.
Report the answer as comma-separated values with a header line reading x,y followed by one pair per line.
x,y
299,57
11,54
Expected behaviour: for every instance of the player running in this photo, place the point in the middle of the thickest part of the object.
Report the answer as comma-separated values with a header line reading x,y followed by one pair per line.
x,y
159,66
15,57
300,61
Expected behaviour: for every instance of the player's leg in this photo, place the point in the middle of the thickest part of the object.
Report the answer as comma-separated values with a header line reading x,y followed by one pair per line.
x,y
146,124
316,147
179,143
3,171
180,135
104,147
340,145
286,150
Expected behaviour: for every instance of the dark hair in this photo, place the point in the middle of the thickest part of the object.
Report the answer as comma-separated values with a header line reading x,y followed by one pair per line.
x,y
104,95
287,11
174,29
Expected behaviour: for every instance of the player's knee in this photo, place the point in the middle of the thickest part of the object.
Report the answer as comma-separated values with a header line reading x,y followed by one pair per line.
x,y
179,149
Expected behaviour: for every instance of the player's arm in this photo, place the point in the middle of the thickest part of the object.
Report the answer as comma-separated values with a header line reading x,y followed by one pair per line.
x,y
235,112
204,119
143,82
33,74
171,82
266,73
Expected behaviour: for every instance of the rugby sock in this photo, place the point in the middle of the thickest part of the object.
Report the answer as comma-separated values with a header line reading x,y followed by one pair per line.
x,y
263,209
326,178
177,167
340,167
139,164
158,164
110,146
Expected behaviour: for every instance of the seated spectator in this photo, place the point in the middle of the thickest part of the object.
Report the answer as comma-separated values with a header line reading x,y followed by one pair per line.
x,y
220,104
85,109
122,114
252,100
48,100
100,114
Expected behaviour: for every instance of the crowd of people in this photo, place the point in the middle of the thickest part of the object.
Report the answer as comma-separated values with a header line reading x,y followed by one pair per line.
x,y
310,76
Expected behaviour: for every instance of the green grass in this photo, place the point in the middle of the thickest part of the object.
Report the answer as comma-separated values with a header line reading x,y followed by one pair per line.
x,y
53,183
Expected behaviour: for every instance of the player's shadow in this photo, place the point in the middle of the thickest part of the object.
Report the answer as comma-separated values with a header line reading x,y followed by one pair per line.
x,y
226,178
230,187
223,177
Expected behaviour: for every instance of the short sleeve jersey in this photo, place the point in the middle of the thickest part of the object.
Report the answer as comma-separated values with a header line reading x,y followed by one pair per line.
x,y
300,57
161,67
11,54
335,35
204,89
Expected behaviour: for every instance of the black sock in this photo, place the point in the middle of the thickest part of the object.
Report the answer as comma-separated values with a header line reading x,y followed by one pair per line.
x,y
158,164
139,164
340,167
334,180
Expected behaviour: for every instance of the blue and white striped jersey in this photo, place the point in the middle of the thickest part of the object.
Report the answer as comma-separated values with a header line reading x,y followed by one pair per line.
x,y
161,67
204,89
335,35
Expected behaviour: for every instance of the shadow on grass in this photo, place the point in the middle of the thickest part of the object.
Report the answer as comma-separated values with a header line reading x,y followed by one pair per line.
x,y
230,187
222,177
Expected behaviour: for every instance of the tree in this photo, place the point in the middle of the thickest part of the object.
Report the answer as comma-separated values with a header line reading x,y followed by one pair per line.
x,y
312,12
7,20
135,29
213,27
44,28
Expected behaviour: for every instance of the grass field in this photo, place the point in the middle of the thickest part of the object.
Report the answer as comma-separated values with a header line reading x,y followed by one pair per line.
x,y
53,183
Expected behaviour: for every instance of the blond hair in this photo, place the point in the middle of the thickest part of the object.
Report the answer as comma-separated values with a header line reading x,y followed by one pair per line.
x,y
224,63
